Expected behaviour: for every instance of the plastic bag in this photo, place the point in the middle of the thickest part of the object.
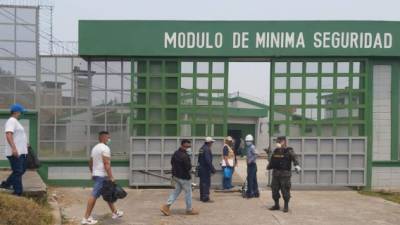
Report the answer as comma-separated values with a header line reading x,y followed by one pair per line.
x,y
227,172
107,191
111,191
119,192
32,161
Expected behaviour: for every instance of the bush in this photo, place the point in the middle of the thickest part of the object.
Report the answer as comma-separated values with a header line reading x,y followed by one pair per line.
x,y
22,211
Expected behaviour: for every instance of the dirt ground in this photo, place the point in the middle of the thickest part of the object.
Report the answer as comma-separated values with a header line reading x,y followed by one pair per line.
x,y
141,207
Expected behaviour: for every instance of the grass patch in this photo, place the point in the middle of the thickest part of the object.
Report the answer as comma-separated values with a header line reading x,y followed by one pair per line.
x,y
22,211
390,196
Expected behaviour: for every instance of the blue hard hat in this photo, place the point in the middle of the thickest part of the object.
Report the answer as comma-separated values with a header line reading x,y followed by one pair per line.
x,y
17,108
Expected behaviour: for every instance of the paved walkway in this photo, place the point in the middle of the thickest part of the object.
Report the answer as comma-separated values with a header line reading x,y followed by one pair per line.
x,y
32,182
307,207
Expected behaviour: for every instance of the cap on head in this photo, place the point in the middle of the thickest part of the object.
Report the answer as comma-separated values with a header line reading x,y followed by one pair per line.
x,y
17,108
228,138
281,138
209,139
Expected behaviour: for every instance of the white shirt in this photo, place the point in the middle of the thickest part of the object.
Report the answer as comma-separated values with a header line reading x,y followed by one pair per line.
x,y
20,140
98,151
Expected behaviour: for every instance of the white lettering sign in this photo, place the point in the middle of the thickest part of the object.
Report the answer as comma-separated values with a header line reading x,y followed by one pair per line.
x,y
279,40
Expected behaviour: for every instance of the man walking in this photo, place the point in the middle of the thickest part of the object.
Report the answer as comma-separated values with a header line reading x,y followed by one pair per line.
x,y
181,168
16,149
281,165
100,168
252,184
206,168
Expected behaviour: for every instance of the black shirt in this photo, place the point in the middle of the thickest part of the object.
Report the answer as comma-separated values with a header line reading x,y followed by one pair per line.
x,y
181,164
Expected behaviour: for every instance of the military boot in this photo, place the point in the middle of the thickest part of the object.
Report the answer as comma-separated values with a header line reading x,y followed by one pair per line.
x,y
276,206
286,207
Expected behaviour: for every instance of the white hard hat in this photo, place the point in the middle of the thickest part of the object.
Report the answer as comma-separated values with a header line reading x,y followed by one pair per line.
x,y
209,139
249,137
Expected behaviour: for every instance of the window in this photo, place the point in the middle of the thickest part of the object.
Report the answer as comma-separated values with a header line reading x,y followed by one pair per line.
x,y
218,67
187,67
280,67
327,100
202,67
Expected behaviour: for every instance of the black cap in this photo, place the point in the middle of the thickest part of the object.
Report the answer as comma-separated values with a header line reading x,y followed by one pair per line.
x,y
281,138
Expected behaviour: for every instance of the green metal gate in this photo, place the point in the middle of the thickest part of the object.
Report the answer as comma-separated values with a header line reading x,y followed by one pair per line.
x,y
174,97
320,103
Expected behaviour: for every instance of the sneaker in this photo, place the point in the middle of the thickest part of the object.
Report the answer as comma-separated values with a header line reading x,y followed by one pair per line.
x,y
89,221
117,214
192,212
165,210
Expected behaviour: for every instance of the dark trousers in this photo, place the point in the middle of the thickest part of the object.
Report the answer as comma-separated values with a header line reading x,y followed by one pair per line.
x,y
18,167
283,184
205,183
252,184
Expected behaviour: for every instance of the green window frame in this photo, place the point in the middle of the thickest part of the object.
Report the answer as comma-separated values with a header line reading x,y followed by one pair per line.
x,y
179,97
318,97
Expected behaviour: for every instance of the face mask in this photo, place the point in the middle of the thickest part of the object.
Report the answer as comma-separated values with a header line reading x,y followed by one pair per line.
x,y
189,151
249,143
108,141
278,145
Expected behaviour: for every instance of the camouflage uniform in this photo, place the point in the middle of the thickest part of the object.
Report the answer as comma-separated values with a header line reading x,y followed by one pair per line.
x,y
281,165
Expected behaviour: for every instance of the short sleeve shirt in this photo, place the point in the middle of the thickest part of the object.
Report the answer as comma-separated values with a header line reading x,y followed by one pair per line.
x,y
225,151
97,154
20,139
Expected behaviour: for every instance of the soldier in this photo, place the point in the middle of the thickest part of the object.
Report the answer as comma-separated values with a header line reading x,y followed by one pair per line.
x,y
281,165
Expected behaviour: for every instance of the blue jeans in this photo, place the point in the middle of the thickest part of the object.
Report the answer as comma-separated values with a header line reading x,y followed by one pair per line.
x,y
252,184
227,181
186,186
18,167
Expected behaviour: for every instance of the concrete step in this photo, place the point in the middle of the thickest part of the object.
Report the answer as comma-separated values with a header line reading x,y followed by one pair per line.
x,y
32,182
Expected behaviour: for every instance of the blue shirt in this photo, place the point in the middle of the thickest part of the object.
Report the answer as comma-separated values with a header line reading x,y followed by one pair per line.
x,y
251,154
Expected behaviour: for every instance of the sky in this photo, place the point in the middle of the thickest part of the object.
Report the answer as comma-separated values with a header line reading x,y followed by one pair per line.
x,y
67,13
